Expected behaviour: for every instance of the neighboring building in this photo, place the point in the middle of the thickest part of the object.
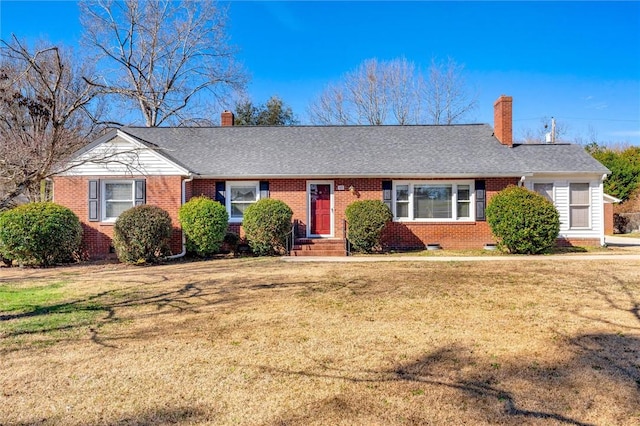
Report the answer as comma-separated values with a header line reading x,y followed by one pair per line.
x,y
437,180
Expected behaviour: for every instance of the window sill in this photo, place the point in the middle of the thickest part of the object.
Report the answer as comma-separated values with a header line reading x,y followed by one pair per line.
x,y
466,221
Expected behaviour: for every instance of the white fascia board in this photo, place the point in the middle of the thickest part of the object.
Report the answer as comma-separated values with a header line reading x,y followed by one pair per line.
x,y
154,152
367,176
83,158
565,175
610,199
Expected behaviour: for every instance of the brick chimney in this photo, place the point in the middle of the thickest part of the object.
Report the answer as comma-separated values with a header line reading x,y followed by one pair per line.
x,y
226,118
503,120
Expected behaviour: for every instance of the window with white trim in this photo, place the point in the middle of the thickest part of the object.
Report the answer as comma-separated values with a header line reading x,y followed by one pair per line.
x,y
241,195
117,196
433,201
579,205
544,189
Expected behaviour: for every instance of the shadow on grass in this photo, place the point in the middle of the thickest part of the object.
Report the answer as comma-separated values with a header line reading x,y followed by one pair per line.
x,y
605,357
101,309
594,359
160,416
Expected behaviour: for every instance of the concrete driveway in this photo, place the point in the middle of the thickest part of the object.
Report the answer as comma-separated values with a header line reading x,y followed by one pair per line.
x,y
616,241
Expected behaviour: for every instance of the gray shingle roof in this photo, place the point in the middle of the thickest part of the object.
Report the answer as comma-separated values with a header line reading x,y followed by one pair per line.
x,y
393,151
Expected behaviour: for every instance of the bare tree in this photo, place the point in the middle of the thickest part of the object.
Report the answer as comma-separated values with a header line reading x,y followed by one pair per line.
x,y
44,117
165,60
395,92
331,107
367,87
403,87
445,93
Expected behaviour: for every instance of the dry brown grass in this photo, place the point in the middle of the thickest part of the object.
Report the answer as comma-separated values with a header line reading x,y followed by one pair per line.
x,y
263,342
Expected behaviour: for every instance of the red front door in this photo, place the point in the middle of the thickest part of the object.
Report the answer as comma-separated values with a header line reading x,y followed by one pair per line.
x,y
320,195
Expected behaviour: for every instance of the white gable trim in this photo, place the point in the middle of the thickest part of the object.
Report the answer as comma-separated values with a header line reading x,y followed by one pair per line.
x,y
119,154
610,199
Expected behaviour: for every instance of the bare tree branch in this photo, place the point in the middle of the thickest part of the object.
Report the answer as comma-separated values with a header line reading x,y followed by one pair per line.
x,y
395,92
44,106
164,59
445,93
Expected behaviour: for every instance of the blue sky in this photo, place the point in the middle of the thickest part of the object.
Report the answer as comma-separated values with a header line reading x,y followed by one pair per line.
x,y
576,61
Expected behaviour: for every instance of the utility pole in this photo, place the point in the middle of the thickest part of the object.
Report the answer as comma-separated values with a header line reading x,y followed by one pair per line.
x,y
553,130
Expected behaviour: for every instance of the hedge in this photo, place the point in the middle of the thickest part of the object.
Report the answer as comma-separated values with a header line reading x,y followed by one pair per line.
x,y
41,234
142,234
523,221
367,219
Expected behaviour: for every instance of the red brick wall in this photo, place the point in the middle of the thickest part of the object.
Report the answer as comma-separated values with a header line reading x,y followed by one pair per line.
x,y
165,192
398,234
503,119
162,191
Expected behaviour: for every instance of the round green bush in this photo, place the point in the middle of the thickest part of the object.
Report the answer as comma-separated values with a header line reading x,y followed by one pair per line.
x,y
40,234
523,221
266,224
142,234
366,220
205,223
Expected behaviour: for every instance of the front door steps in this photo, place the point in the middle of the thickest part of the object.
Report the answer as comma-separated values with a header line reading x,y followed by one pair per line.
x,y
319,247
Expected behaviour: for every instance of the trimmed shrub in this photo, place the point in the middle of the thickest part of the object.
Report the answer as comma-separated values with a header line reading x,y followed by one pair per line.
x,y
205,223
266,224
40,234
523,221
367,219
142,234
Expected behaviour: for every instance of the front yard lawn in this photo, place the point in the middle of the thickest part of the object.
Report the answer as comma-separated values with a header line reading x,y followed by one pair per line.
x,y
264,342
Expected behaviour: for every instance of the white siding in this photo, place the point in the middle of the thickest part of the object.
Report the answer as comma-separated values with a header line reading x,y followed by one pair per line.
x,y
561,186
561,201
119,156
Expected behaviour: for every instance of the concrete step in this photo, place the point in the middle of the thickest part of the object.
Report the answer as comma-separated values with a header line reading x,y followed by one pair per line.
x,y
332,253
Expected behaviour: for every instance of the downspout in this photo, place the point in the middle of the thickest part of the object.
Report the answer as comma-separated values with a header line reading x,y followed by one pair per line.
x,y
184,237
601,207
521,181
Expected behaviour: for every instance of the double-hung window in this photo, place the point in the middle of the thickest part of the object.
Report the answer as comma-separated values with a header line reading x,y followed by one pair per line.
x,y
579,205
108,198
240,196
118,196
433,201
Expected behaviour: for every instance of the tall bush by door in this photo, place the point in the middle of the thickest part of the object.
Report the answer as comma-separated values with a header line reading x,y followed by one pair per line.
x,y
142,234
205,223
40,234
523,221
266,224
366,220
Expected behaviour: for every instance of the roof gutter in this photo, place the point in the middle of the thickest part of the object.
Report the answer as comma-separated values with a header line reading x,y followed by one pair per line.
x,y
184,237
367,176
